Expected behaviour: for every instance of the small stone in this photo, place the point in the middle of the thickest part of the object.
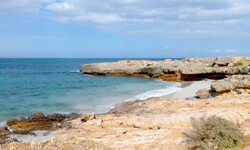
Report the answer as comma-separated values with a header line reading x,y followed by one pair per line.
x,y
87,117
46,133
4,130
204,93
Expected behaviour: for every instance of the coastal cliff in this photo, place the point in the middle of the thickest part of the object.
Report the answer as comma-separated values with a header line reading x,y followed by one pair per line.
x,y
155,123
189,69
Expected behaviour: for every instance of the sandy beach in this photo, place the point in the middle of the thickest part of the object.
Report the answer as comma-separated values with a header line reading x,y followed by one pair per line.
x,y
191,88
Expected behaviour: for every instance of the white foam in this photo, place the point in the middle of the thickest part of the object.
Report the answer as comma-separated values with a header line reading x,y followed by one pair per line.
x,y
88,75
3,124
74,70
39,136
174,87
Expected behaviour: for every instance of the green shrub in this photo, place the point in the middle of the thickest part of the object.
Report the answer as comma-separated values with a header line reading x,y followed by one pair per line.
x,y
214,133
210,65
238,64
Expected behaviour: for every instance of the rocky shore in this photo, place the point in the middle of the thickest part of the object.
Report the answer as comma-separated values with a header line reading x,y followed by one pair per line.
x,y
190,69
155,123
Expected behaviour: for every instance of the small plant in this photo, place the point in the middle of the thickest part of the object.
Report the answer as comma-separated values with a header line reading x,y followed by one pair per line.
x,y
238,64
210,66
214,133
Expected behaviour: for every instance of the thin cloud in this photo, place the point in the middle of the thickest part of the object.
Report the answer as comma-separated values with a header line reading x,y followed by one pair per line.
x,y
225,51
178,19
26,6
171,19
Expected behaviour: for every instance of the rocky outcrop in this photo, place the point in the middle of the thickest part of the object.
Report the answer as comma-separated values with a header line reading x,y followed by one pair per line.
x,y
239,84
156,123
172,70
38,121
231,83
4,135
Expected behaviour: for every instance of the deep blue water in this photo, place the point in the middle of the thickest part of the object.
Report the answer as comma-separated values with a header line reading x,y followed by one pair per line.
x,y
55,85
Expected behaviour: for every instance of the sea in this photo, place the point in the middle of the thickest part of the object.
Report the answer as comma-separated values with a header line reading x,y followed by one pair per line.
x,y
53,85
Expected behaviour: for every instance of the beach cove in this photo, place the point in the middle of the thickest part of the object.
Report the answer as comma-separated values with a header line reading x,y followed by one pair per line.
x,y
159,123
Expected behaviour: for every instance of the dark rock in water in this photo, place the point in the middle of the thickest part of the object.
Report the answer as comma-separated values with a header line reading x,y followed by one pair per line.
x,y
56,117
12,122
38,121
37,117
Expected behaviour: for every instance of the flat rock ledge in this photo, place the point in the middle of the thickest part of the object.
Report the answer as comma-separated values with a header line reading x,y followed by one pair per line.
x,y
189,69
37,121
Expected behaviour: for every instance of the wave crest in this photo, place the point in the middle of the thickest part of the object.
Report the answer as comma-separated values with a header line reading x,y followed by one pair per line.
x,y
174,87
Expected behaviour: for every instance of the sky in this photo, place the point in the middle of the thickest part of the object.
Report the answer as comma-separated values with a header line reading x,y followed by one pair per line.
x,y
124,28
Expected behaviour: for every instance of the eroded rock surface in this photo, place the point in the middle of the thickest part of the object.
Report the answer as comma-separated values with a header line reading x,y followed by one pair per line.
x,y
235,83
231,83
37,121
169,70
156,123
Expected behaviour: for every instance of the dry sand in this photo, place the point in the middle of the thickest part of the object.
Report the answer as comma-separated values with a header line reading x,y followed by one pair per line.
x,y
190,90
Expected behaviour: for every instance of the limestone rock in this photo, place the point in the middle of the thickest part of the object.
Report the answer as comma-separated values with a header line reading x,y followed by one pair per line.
x,y
87,117
56,117
156,123
4,135
189,69
37,117
231,83
38,121
4,130
204,93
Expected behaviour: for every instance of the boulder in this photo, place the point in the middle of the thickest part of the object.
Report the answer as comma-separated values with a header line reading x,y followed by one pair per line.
x,y
231,83
4,135
4,130
204,93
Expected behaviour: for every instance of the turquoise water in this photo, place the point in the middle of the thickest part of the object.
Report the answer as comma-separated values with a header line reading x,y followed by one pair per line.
x,y
56,85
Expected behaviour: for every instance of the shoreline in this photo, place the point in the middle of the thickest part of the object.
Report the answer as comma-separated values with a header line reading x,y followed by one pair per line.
x,y
186,86
160,121
184,92
134,98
